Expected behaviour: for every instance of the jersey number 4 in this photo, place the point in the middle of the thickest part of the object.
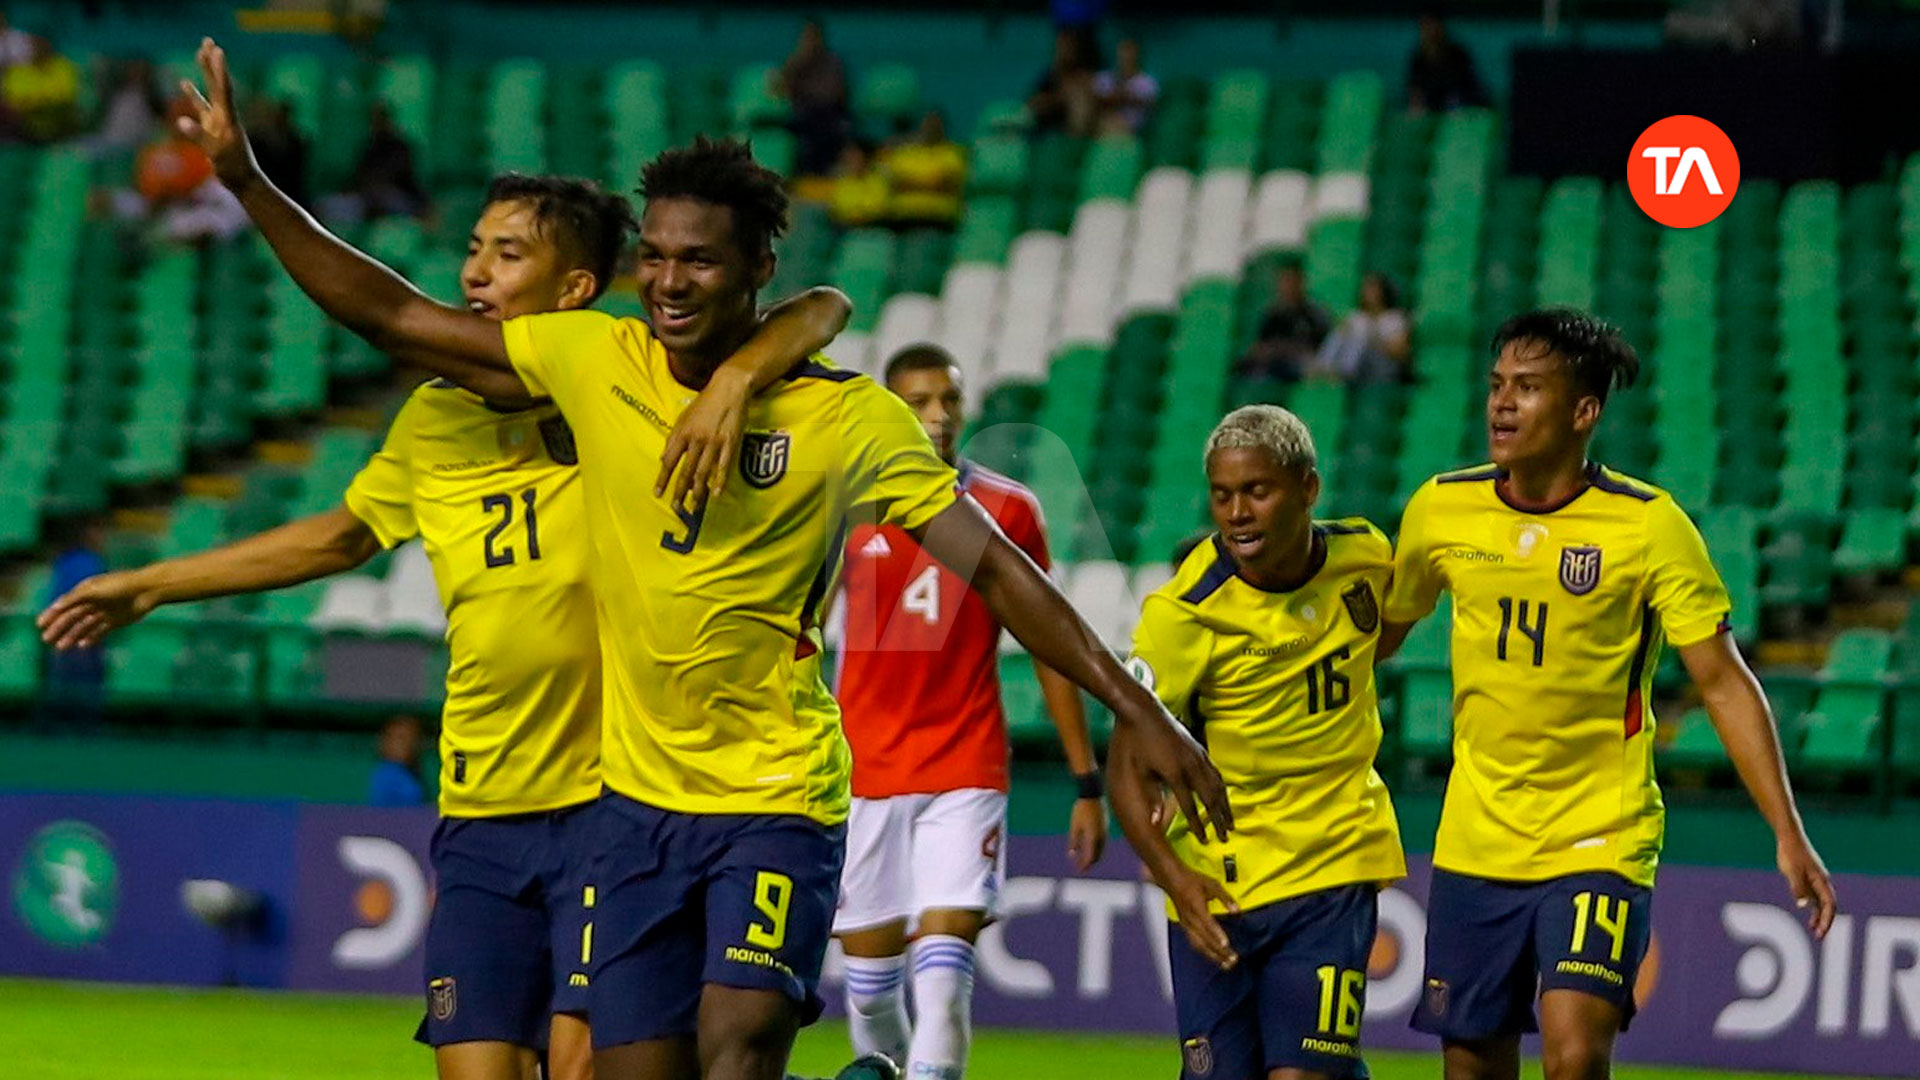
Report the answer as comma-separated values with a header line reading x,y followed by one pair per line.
x,y
497,553
922,596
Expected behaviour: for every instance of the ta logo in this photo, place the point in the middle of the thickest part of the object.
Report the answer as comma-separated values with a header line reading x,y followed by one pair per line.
x,y
67,886
1683,171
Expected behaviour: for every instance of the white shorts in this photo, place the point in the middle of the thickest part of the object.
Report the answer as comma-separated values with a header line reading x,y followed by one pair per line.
x,y
912,853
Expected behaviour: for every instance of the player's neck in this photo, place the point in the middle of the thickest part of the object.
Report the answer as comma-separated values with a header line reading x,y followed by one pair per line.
x,y
692,368
1545,483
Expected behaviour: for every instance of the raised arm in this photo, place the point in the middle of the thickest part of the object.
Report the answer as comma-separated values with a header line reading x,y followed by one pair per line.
x,y
709,432
312,547
1745,723
1024,601
361,294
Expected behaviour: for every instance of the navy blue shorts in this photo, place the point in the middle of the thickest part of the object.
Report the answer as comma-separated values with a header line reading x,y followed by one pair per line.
x,y
1294,1000
737,900
506,939
1493,946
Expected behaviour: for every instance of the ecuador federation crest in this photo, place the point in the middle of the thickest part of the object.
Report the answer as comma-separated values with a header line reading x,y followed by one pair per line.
x,y
1198,1056
441,999
763,457
1363,606
558,436
1579,569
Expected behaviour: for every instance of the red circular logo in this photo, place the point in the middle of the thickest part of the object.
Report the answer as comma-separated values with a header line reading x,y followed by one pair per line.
x,y
1683,171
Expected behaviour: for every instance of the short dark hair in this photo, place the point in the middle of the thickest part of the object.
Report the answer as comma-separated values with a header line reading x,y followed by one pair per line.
x,y
1598,358
724,173
590,225
920,357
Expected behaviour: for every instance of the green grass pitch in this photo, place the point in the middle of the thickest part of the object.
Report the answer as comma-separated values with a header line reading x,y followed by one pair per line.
x,y
77,1031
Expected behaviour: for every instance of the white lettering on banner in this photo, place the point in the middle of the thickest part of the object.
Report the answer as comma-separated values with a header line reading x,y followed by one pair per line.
x,y
1005,972
1836,977
1889,940
1153,910
392,940
1396,992
1691,158
1097,901
1775,973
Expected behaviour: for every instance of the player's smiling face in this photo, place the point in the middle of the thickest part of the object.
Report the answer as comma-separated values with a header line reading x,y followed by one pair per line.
x,y
934,395
1534,413
514,267
696,281
1262,509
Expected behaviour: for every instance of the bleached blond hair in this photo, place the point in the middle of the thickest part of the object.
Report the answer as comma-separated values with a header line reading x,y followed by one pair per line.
x,y
1270,428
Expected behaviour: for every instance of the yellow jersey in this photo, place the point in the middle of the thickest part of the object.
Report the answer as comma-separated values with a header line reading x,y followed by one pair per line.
x,y
496,498
1558,619
709,621
1278,686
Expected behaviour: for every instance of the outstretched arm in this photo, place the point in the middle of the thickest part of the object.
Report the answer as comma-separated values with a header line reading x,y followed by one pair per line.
x,y
312,547
1745,723
1024,601
364,296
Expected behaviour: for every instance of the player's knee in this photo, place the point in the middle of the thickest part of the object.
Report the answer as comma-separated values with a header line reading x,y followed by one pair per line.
x,y
745,1034
1578,1057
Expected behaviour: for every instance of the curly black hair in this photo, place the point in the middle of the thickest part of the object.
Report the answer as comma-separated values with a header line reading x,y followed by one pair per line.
x,y
590,225
1598,358
724,173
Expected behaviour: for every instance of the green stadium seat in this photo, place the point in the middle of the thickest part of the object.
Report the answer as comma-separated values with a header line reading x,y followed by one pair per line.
x,y
20,658
1872,542
888,96
1695,744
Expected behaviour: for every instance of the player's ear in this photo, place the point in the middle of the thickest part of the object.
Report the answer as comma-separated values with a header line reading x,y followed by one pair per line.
x,y
763,269
577,289
1310,487
1586,414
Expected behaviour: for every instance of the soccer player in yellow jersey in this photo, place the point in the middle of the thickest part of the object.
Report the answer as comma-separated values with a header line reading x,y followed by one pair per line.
x,y
1264,642
722,829
1566,578
493,488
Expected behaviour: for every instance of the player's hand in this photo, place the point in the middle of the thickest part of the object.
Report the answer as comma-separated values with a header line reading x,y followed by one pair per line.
x,y
97,605
703,442
215,123
1807,877
1192,894
1087,833
1163,750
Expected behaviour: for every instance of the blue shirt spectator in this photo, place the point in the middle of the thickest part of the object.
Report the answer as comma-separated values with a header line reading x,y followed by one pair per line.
x,y
396,780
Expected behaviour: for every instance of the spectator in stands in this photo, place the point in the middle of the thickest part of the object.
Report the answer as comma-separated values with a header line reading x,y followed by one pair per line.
x,y
1126,93
925,175
16,45
384,182
814,82
279,147
1441,73
42,96
1374,341
76,678
396,780
1063,99
132,111
1291,331
174,186
860,193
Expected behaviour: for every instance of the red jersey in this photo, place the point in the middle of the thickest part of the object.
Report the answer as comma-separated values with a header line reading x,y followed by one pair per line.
x,y
919,672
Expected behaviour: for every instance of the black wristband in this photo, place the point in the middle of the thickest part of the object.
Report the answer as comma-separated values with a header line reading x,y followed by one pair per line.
x,y
1089,784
